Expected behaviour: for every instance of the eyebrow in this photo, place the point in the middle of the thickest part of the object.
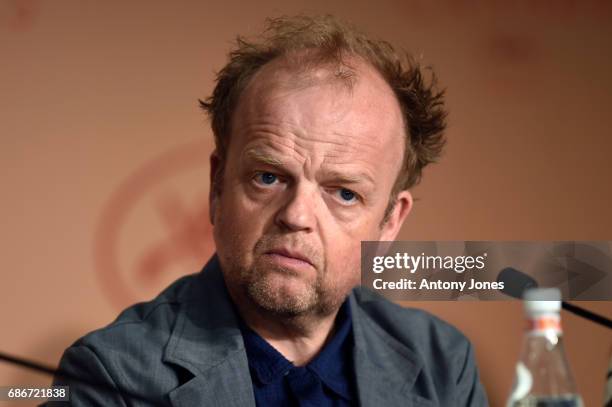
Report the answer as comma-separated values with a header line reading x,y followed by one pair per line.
x,y
354,178
262,157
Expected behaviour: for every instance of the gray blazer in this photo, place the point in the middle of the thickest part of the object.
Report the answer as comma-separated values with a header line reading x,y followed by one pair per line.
x,y
184,348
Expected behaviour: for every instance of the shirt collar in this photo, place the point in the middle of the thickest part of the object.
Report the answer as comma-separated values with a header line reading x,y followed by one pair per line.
x,y
332,364
266,363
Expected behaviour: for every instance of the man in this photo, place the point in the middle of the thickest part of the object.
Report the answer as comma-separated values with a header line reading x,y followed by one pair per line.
x,y
320,132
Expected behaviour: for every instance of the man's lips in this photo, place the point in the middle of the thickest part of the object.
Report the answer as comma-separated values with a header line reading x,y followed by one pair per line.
x,y
290,255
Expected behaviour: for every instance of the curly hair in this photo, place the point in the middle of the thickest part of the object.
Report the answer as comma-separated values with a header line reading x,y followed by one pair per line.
x,y
330,41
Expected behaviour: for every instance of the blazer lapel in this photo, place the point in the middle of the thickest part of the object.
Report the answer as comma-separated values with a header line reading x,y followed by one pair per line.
x,y
222,385
207,342
386,370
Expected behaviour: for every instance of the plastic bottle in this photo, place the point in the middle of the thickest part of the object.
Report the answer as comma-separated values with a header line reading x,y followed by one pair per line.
x,y
543,376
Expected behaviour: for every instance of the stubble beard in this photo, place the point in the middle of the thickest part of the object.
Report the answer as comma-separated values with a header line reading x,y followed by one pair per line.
x,y
263,288
264,284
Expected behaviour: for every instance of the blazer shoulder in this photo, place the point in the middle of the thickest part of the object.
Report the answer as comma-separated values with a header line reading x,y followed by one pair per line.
x,y
117,354
141,331
153,314
446,354
413,327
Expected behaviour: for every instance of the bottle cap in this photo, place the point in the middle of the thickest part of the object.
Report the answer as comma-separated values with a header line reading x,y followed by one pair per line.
x,y
542,300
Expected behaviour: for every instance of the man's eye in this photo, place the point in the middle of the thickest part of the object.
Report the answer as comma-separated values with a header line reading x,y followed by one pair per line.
x,y
266,178
346,195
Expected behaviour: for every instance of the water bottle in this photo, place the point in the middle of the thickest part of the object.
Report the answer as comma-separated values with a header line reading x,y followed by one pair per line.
x,y
543,376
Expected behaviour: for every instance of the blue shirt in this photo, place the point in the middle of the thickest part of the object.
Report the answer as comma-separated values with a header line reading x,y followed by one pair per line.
x,y
326,381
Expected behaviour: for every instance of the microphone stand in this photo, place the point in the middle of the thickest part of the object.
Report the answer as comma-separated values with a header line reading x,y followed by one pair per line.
x,y
591,316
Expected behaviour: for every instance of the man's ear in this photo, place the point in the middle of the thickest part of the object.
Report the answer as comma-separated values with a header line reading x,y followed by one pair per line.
x,y
216,178
395,220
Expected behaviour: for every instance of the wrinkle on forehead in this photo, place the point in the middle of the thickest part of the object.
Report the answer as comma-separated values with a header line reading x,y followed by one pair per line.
x,y
325,122
331,147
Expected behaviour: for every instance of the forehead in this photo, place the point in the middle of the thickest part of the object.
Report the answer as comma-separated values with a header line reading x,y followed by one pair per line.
x,y
355,113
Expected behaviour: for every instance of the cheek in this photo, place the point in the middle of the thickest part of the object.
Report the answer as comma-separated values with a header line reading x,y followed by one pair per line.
x,y
359,224
239,224
344,262
346,238
343,249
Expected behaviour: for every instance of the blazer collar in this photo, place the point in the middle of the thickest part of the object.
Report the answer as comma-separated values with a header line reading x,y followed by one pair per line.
x,y
206,340
387,371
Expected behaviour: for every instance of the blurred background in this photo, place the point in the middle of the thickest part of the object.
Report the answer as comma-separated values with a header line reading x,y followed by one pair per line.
x,y
104,154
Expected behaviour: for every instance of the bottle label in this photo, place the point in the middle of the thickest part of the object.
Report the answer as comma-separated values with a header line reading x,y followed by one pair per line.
x,y
544,324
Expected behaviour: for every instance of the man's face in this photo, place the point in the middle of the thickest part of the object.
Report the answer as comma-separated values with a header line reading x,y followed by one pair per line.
x,y
308,175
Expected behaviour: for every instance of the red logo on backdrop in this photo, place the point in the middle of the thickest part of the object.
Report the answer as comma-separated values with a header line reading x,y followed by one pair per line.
x,y
155,227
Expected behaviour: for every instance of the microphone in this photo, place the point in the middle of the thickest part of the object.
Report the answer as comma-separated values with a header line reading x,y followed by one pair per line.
x,y
517,282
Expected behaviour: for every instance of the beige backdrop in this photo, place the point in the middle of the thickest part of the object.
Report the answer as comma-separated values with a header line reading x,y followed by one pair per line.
x,y
104,153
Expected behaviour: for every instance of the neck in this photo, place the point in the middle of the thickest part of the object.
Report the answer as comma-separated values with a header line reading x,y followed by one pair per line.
x,y
298,338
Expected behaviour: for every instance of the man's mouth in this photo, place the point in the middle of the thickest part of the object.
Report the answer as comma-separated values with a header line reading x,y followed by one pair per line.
x,y
289,257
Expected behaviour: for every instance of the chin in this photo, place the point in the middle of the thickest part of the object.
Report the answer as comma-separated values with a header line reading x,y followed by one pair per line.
x,y
283,296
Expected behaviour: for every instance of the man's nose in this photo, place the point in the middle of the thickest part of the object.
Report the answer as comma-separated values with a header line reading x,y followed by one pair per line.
x,y
298,212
